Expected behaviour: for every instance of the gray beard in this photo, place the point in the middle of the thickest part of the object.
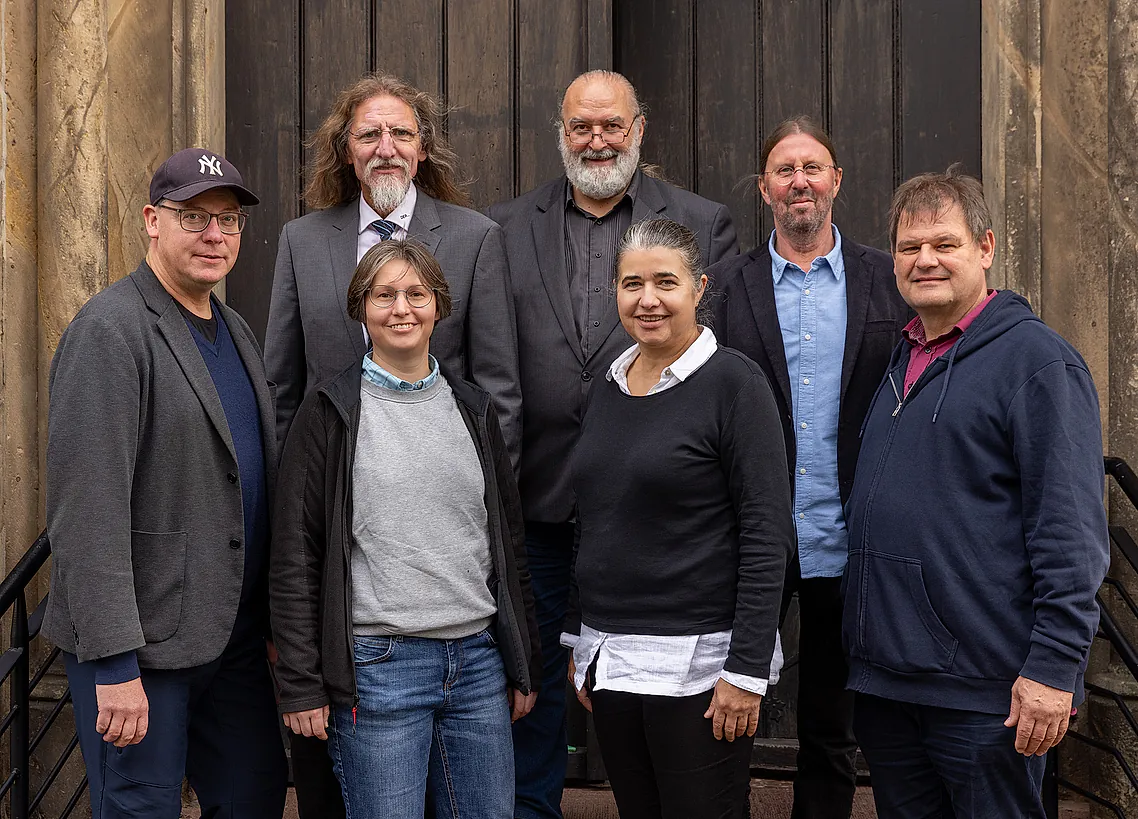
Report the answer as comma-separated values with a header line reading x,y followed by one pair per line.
x,y
594,182
803,230
388,192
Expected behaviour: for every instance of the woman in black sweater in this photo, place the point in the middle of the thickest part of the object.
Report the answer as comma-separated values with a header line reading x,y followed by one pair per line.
x,y
685,531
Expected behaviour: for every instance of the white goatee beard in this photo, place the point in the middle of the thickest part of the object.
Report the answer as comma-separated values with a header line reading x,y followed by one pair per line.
x,y
388,190
600,182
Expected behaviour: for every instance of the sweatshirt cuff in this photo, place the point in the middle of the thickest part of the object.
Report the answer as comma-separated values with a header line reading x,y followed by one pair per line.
x,y
1050,667
568,640
118,668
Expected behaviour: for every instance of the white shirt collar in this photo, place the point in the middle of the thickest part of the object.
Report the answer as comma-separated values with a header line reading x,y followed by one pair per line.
x,y
401,216
678,371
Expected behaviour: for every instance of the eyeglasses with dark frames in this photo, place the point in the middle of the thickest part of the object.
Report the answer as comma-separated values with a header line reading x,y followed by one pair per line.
x,y
195,220
582,133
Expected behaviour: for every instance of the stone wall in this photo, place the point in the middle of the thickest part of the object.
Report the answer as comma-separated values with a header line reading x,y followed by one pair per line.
x,y
94,94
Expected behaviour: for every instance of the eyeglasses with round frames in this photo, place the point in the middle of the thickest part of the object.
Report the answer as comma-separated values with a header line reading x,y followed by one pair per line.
x,y
417,295
813,171
371,136
582,133
196,220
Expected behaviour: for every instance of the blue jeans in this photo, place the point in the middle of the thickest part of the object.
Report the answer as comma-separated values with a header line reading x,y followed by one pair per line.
x,y
216,724
932,763
540,753
414,690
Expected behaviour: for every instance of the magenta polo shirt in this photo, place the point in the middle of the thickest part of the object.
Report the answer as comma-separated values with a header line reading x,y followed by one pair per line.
x,y
925,352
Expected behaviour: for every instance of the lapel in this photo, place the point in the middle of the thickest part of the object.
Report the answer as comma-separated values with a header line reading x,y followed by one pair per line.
x,y
759,283
173,329
857,306
250,356
648,204
425,222
343,240
548,227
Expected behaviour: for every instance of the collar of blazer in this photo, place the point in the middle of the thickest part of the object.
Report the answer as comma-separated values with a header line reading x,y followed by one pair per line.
x,y
759,284
173,328
549,243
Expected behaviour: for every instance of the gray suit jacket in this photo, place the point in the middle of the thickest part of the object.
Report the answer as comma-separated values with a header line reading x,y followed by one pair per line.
x,y
310,338
146,526
555,376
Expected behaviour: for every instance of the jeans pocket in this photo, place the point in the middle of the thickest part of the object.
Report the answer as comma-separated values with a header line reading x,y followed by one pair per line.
x,y
898,627
487,635
370,650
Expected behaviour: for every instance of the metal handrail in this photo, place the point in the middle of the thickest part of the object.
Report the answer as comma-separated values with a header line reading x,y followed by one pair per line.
x,y
15,667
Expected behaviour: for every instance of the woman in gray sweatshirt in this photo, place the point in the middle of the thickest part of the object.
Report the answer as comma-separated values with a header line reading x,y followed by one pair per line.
x,y
401,603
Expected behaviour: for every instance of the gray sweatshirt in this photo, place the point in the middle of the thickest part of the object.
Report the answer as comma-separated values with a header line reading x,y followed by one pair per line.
x,y
420,545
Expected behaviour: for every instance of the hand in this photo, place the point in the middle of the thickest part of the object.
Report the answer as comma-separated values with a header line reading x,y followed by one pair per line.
x,y
733,711
583,692
1040,715
124,712
520,704
310,723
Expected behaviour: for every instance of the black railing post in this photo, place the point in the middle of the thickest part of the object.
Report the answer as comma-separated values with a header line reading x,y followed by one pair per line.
x,y
18,741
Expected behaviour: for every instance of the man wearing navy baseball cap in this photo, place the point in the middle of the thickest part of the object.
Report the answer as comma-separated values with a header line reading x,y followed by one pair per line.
x,y
160,461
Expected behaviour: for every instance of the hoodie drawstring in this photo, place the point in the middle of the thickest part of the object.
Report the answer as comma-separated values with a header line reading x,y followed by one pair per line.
x,y
947,376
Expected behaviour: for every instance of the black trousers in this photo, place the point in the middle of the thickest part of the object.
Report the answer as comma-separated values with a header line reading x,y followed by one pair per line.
x,y
826,780
318,793
663,762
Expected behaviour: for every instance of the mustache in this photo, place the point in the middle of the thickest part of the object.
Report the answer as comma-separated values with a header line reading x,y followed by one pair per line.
x,y
604,153
381,163
804,196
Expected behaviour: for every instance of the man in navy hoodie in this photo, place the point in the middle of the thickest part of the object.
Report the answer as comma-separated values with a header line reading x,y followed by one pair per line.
x,y
976,526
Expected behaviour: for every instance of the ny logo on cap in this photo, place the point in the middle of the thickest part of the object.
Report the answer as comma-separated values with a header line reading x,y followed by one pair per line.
x,y
211,164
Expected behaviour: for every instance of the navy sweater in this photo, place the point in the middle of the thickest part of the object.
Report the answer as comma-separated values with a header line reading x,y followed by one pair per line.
x,y
977,531
683,504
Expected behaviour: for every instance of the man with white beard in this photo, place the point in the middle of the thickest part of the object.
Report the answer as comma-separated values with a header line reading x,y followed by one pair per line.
x,y
381,168
560,240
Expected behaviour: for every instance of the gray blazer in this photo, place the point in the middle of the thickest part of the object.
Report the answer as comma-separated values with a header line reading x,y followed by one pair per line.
x,y
310,338
555,376
146,526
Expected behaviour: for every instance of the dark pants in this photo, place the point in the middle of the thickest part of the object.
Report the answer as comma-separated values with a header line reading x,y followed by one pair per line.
x,y
216,724
940,763
318,794
826,779
663,761
540,754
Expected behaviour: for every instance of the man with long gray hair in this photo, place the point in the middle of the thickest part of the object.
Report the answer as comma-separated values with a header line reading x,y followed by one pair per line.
x,y
561,241
381,168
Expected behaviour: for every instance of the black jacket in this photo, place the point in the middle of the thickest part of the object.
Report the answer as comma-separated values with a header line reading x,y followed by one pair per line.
x,y
310,567
745,317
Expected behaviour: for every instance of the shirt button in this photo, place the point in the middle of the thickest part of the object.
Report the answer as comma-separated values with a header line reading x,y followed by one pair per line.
x,y
586,376
667,371
807,291
807,336
235,544
928,350
805,380
596,324
596,290
598,221
598,255
804,425
232,478
802,471
802,516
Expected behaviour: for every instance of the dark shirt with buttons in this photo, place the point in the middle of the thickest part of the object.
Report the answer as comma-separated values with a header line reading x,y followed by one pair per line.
x,y
590,256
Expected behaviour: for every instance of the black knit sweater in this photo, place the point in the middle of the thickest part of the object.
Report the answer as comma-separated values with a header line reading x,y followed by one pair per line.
x,y
684,510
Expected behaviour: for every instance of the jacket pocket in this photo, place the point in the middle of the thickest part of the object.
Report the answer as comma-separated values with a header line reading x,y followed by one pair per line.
x,y
896,625
159,562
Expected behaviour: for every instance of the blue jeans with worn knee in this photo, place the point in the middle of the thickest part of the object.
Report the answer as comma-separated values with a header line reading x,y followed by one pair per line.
x,y
436,707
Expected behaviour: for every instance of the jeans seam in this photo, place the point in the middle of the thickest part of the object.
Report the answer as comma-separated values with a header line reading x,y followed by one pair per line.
x,y
447,778
338,770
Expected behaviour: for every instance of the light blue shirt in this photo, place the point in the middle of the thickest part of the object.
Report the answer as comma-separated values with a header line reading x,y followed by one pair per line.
x,y
812,314
382,378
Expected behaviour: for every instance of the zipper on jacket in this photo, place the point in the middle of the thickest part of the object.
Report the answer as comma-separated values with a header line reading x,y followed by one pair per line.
x,y
900,398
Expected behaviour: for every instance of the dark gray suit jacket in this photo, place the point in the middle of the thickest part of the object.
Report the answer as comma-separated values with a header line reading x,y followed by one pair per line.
x,y
310,338
555,376
141,512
